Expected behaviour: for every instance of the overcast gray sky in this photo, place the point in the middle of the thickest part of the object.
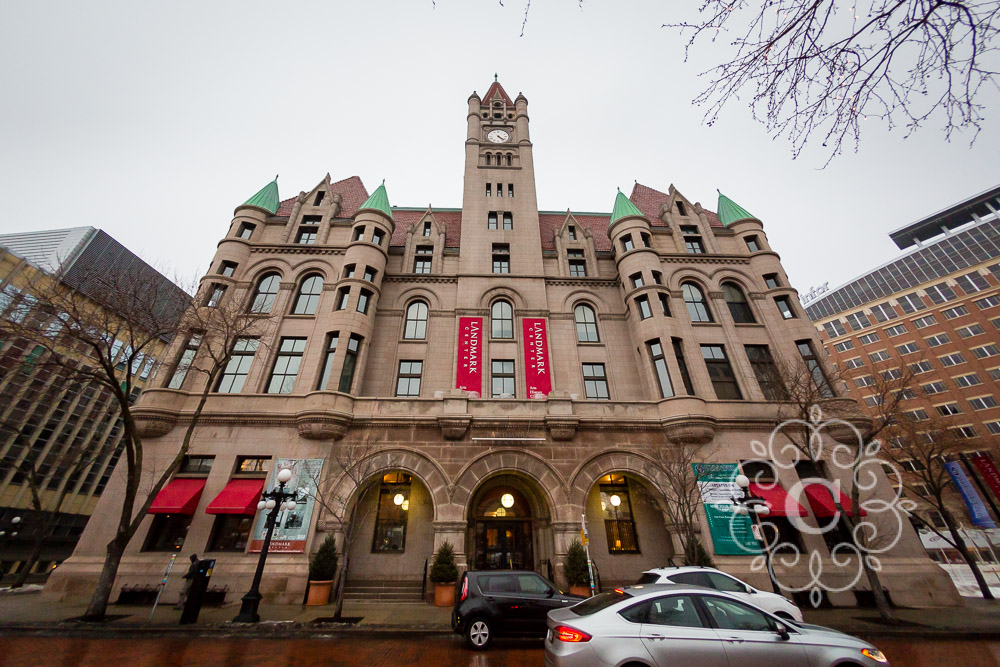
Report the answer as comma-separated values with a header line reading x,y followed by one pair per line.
x,y
153,121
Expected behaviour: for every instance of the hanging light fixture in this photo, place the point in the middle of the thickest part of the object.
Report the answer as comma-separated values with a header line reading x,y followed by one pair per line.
x,y
507,500
616,500
398,499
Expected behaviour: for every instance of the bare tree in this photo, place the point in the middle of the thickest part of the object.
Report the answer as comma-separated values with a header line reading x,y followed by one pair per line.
x,y
675,466
113,318
819,67
353,472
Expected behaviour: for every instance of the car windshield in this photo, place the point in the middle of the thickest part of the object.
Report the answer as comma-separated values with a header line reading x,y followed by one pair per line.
x,y
648,578
599,602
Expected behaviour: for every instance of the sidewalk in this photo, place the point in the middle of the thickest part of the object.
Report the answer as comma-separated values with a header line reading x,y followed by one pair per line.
x,y
25,613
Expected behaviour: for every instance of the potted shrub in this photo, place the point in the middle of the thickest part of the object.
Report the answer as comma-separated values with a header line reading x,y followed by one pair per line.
x,y
575,570
444,574
322,570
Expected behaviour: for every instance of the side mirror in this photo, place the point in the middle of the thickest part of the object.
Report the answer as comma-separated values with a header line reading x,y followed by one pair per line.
x,y
781,630
751,591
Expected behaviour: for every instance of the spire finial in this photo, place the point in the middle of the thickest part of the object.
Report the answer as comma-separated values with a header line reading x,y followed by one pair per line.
x,y
383,181
275,177
495,77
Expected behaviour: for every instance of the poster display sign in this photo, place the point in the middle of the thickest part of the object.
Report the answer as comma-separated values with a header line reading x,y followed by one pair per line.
x,y
977,508
988,469
469,374
292,529
537,370
732,534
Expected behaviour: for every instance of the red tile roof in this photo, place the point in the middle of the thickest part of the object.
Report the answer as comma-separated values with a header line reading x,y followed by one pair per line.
x,y
649,200
497,88
352,192
550,224
452,220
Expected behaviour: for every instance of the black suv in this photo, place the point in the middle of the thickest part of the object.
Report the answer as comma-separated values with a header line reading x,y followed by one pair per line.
x,y
505,602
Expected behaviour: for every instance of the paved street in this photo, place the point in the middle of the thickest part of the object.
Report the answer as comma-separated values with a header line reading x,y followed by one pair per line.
x,y
356,650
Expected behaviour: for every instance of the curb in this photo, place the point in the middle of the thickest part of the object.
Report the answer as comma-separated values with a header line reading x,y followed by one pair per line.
x,y
264,630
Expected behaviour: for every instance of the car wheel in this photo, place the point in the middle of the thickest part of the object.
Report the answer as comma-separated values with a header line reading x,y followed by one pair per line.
x,y
478,633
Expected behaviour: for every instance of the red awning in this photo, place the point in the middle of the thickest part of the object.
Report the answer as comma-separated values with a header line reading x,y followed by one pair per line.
x,y
239,497
778,500
180,496
821,501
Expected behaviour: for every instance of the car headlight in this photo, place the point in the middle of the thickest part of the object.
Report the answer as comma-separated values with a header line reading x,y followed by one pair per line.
x,y
874,654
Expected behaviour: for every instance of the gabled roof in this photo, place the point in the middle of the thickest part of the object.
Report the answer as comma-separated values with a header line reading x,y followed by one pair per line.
x,y
649,201
352,194
266,198
450,219
379,201
494,89
730,211
623,209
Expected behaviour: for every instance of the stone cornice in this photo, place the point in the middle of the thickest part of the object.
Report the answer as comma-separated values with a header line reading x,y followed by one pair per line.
x,y
297,249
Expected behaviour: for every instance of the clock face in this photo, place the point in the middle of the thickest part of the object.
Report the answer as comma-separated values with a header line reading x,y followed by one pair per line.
x,y
498,136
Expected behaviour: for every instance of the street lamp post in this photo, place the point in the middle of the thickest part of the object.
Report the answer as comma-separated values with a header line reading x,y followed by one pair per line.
x,y
756,508
276,501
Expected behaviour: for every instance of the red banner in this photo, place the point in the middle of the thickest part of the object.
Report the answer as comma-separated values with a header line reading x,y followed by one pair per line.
x,y
989,471
469,375
537,371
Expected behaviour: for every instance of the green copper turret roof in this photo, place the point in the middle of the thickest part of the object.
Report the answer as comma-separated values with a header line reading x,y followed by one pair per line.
x,y
266,198
378,201
729,211
623,208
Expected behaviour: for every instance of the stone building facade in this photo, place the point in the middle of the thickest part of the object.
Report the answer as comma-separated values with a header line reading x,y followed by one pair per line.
x,y
509,373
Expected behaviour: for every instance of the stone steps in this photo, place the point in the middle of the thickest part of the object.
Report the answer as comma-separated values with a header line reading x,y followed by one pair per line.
x,y
383,591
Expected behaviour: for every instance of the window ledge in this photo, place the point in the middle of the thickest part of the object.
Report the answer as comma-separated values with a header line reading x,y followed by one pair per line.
x,y
706,324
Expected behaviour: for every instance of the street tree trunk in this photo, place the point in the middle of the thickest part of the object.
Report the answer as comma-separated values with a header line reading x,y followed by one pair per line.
x,y
98,606
963,549
881,601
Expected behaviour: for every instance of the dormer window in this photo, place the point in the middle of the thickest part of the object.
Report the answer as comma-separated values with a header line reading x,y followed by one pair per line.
x,y
307,235
680,208
692,239
572,233
427,228
319,198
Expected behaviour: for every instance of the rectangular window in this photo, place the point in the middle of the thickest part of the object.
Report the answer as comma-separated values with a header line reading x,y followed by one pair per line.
x,y
844,346
571,230
891,374
937,340
907,348
766,372
501,258
873,401
995,374
577,264
230,532
489,189
319,198
771,280
970,331
427,228
854,363
657,277
720,372
349,270
627,243
246,230
868,339
377,237
883,312
924,321
636,279
881,355
343,295
328,359
952,359
642,305
858,321
753,244
834,328
940,293
917,415
921,367
252,466
187,358
196,465
986,351
370,274
965,431
664,303
364,298
236,371
660,368
678,346
510,189
307,235
967,380
359,233
988,302
993,428
595,381
408,379
286,366
957,311
972,282
167,532
864,381
932,388
422,262
218,291
503,378
947,409
983,402
897,330
228,269
616,505
910,303
390,517
784,307
499,189
508,221
350,363
692,239
814,366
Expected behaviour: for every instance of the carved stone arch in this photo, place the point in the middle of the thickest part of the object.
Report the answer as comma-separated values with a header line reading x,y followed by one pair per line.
x,y
550,482
430,474
691,274
413,293
724,274
502,292
592,469
267,265
311,266
592,299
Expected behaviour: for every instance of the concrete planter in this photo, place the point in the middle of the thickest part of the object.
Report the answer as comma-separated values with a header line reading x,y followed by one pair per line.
x,y
444,595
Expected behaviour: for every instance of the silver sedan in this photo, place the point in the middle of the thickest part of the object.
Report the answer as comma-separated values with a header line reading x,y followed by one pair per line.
x,y
659,625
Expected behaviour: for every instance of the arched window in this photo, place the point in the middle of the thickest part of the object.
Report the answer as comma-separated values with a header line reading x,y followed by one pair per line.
x,y
586,324
416,321
696,304
510,160
738,306
308,296
499,159
488,158
502,319
267,292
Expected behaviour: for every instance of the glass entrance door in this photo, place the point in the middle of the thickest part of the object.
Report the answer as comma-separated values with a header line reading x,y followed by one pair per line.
x,y
503,545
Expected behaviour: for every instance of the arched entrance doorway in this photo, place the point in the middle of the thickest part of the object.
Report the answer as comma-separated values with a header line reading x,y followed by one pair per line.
x,y
509,526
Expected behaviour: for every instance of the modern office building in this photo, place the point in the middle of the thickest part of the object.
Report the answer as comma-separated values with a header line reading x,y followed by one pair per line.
x,y
935,309
506,373
48,416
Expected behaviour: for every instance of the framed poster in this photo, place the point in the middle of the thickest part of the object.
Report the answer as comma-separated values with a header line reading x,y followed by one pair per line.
x,y
732,534
292,529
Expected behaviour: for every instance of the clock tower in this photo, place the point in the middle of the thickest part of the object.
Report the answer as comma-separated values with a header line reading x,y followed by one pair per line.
x,y
499,208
